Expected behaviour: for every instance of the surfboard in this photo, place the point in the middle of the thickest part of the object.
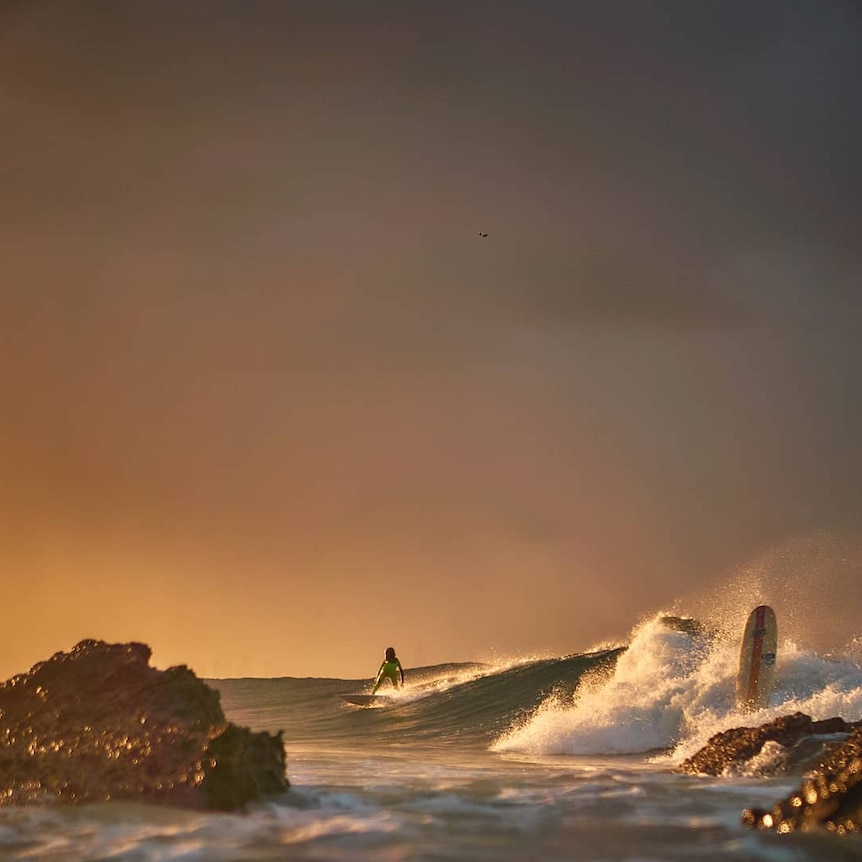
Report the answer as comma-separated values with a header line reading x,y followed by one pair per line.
x,y
757,659
363,699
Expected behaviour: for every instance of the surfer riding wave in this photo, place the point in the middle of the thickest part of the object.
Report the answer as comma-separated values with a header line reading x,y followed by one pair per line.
x,y
390,669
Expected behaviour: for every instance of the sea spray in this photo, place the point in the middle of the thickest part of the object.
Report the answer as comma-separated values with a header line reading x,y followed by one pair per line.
x,y
672,690
640,707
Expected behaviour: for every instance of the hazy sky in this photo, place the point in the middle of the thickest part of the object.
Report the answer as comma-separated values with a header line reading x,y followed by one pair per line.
x,y
270,401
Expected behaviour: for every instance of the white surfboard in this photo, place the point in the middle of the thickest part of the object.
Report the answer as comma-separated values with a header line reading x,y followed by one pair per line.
x,y
363,699
757,659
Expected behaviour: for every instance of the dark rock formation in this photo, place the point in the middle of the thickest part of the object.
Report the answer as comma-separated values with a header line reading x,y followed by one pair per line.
x,y
99,723
733,749
830,797
686,625
240,765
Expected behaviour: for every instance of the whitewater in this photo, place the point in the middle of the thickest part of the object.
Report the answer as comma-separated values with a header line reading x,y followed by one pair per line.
x,y
558,758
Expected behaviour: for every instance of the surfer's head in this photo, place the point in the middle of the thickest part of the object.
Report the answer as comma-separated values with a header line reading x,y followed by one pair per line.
x,y
390,653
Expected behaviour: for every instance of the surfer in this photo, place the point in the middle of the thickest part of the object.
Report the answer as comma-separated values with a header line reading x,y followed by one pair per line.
x,y
389,669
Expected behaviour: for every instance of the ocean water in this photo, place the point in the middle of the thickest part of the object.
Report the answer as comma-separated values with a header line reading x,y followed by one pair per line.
x,y
560,758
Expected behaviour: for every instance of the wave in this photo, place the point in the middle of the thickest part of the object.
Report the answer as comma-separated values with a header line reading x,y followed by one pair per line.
x,y
471,704
672,689
661,696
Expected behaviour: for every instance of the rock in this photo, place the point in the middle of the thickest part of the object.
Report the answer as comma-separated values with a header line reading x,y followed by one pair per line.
x,y
732,749
740,744
830,797
240,766
98,723
686,625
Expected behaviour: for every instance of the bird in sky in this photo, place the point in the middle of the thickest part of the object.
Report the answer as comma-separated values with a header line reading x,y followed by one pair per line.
x,y
482,233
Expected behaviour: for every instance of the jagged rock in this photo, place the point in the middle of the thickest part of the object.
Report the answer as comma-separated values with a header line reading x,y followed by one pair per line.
x,y
732,749
99,723
830,797
241,766
685,625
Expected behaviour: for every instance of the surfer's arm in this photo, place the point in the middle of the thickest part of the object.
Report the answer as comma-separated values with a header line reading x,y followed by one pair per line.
x,y
401,671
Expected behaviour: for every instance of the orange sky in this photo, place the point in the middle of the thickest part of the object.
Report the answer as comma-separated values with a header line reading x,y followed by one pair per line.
x,y
272,404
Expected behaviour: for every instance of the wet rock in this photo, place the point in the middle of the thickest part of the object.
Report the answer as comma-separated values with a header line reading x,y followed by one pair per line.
x,y
244,768
685,625
829,797
98,723
796,734
739,745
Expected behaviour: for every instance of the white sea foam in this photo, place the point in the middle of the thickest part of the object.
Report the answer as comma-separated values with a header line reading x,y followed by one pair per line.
x,y
672,690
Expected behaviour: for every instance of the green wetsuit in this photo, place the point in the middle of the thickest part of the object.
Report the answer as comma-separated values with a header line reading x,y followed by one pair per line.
x,y
388,670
